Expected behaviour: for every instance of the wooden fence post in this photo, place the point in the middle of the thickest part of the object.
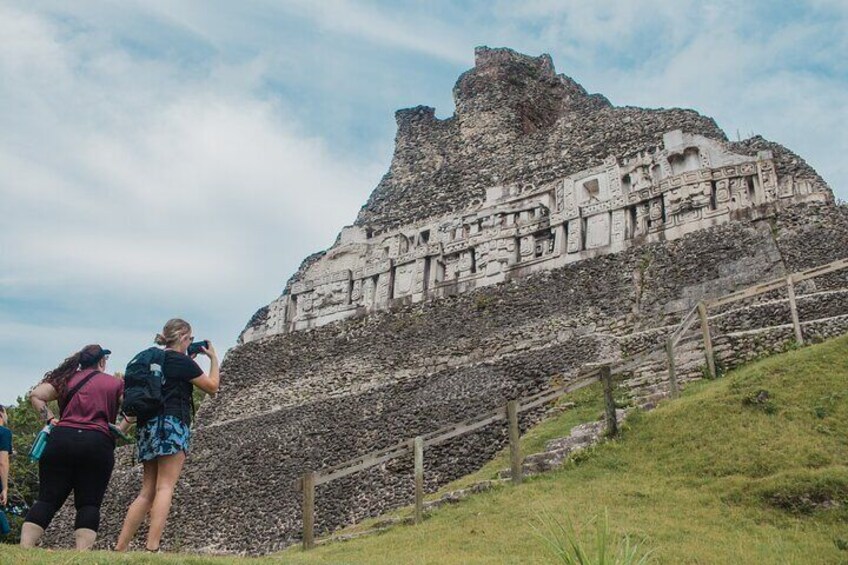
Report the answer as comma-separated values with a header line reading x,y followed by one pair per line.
x,y
672,370
793,307
609,401
418,449
308,486
514,447
708,342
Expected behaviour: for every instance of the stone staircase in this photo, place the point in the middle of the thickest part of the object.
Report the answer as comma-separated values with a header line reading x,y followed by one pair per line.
x,y
558,451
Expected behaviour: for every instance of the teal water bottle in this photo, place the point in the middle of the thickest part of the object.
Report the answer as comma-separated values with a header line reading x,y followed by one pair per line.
x,y
40,442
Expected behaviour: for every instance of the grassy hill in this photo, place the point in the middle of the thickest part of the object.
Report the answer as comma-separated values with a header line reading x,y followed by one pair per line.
x,y
752,468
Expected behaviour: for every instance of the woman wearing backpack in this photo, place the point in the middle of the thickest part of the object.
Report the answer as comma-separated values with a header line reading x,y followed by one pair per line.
x,y
163,440
79,455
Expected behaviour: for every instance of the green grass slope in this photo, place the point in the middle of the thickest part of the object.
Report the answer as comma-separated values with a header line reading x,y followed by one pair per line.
x,y
752,468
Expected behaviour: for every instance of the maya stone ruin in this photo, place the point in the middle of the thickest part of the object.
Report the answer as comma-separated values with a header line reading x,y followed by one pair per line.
x,y
538,229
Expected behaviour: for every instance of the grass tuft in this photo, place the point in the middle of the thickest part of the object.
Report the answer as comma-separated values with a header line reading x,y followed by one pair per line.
x,y
567,547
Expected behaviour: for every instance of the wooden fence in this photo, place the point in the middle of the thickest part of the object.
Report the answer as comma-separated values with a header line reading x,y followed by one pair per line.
x,y
701,312
509,412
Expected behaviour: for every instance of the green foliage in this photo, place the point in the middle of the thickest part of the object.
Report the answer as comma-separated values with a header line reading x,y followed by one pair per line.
x,y
198,396
481,302
706,478
567,547
585,405
23,473
645,261
720,370
828,403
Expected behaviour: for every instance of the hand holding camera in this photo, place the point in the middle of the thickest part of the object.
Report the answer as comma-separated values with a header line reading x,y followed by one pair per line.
x,y
197,347
204,347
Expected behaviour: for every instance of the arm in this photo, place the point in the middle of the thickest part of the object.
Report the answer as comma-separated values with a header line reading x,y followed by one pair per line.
x,y
39,397
124,422
209,383
4,477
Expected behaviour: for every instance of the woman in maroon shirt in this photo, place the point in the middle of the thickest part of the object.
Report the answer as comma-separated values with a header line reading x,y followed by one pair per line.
x,y
79,456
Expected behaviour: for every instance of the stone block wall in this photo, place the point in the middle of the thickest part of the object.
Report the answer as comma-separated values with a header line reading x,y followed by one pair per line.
x,y
739,335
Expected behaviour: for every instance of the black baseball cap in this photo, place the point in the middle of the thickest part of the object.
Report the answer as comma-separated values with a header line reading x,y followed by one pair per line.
x,y
91,354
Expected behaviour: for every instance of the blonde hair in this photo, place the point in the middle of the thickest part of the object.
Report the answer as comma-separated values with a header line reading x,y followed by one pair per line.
x,y
175,329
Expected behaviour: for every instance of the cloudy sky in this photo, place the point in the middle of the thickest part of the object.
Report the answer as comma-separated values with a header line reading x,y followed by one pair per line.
x,y
180,158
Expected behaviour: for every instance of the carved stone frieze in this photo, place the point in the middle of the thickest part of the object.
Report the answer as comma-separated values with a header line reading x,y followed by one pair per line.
x,y
660,192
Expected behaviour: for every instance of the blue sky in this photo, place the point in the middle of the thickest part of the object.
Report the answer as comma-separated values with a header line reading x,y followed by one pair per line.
x,y
180,158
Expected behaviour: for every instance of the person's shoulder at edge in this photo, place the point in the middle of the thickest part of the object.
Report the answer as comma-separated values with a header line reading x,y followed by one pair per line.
x,y
5,439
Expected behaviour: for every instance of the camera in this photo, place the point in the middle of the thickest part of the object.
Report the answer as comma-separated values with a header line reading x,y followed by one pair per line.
x,y
194,348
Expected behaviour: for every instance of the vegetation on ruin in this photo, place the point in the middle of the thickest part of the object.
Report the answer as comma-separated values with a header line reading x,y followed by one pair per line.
x,y
750,468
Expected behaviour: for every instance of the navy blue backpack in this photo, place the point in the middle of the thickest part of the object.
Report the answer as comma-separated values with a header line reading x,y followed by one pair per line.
x,y
143,381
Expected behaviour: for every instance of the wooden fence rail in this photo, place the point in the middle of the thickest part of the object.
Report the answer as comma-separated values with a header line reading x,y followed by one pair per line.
x,y
778,283
604,374
312,479
703,307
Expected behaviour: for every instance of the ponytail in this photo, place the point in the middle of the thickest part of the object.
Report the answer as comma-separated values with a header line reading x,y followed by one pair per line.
x,y
175,329
59,376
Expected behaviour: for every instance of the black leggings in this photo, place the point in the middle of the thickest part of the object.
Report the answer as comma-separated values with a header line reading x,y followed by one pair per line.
x,y
74,460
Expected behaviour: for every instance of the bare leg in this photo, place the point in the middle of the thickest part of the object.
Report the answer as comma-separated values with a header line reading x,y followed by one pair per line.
x,y
168,473
30,535
85,538
140,506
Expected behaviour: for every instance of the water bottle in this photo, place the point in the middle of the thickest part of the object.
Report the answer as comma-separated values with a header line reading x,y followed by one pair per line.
x,y
40,442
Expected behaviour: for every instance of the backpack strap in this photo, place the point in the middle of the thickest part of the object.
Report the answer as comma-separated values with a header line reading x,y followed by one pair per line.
x,y
75,390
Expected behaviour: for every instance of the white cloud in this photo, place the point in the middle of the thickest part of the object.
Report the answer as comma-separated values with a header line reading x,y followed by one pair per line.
x,y
166,164
123,177
399,29
142,139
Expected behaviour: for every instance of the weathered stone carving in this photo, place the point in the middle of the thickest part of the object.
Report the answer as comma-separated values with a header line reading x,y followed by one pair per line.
x,y
656,192
688,183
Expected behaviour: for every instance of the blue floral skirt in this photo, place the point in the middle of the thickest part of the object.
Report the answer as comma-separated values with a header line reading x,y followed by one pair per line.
x,y
161,436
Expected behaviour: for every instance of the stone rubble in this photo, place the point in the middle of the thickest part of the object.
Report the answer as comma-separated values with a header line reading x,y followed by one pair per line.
x,y
558,451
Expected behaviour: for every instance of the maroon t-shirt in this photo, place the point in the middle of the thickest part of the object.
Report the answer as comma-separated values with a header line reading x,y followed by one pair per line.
x,y
95,405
